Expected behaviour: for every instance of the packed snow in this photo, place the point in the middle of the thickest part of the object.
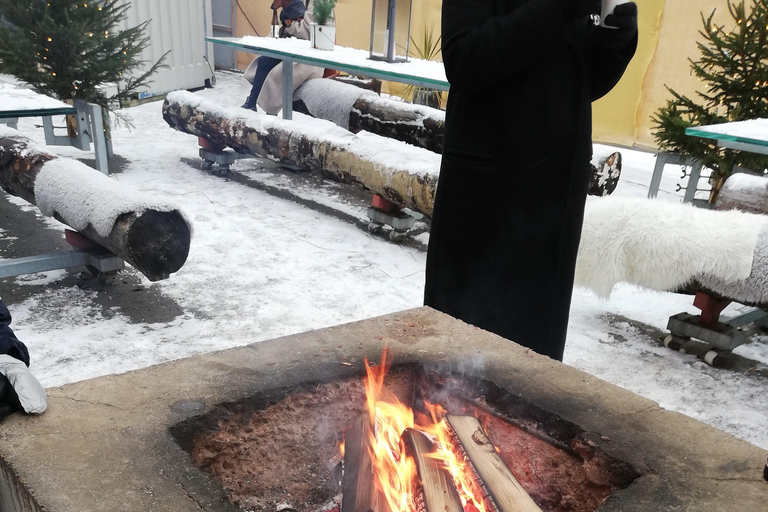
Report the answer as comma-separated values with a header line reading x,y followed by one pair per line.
x,y
262,266
753,130
15,99
82,197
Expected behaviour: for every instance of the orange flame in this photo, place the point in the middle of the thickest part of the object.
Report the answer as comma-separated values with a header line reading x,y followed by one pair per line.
x,y
395,473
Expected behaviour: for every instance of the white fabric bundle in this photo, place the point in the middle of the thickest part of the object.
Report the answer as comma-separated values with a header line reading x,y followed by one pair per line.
x,y
665,246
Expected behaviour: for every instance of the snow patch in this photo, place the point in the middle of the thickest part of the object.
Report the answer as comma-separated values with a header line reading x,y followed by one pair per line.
x,y
83,196
14,98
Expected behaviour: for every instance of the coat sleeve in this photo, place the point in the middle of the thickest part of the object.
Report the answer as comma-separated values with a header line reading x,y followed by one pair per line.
x,y
478,43
607,65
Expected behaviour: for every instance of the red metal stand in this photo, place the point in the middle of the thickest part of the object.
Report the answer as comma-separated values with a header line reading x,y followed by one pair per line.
x,y
710,308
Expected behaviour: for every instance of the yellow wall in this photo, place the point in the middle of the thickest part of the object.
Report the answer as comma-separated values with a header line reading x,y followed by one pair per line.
x,y
679,33
614,115
668,35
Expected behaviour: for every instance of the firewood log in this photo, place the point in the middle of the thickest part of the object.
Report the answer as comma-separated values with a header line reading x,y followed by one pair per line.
x,y
357,484
437,487
155,242
501,485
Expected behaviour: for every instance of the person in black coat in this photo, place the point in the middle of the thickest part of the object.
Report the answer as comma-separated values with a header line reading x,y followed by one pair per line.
x,y
516,160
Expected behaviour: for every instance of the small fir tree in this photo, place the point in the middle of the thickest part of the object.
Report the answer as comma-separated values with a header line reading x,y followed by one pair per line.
x,y
70,49
734,67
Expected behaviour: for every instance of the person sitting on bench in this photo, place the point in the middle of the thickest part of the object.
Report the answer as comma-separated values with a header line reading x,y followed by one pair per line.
x,y
295,18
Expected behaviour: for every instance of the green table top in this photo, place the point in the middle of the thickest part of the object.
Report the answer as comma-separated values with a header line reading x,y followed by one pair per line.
x,y
753,131
350,60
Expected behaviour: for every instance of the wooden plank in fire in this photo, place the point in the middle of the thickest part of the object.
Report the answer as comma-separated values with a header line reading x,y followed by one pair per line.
x,y
437,487
503,489
357,483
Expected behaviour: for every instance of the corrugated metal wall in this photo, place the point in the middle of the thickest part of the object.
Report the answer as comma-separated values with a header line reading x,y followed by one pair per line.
x,y
178,27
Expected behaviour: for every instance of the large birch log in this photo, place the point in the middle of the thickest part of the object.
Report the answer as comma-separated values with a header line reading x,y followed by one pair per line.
x,y
405,175
358,109
152,236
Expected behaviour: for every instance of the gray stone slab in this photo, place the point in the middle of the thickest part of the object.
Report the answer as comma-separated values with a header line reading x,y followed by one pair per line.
x,y
104,444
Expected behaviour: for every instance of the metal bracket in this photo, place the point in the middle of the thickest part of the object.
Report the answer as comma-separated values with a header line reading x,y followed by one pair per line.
x,y
12,122
663,159
89,125
721,336
100,259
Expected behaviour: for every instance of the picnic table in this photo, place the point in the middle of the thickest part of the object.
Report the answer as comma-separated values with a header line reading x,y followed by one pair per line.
x,y
750,136
418,72
16,102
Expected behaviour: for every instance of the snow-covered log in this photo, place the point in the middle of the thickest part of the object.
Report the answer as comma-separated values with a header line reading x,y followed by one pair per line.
x,y
744,192
673,247
150,234
358,109
403,174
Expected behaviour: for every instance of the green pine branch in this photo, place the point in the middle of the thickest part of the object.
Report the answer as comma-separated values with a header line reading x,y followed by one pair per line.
x,y
72,49
733,66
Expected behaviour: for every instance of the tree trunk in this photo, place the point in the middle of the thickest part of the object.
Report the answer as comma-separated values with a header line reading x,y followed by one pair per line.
x,y
419,126
365,161
155,242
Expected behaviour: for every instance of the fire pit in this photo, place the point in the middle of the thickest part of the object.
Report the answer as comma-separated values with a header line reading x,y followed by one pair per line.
x,y
281,449
259,427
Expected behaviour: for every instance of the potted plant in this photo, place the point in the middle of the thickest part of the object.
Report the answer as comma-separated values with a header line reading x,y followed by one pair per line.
x,y
324,33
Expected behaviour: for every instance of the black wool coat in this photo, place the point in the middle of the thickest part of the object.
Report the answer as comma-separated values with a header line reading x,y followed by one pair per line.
x,y
515,170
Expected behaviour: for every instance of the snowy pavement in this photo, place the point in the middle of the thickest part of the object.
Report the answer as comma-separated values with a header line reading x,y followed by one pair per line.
x,y
274,253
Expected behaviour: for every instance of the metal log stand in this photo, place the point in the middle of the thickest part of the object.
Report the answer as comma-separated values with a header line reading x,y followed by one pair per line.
x,y
90,128
721,337
383,212
85,253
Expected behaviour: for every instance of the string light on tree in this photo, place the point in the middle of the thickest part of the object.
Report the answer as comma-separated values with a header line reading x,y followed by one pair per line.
x,y
89,61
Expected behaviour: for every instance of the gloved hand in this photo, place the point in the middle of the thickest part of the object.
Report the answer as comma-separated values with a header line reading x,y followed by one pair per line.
x,y
624,19
19,389
573,9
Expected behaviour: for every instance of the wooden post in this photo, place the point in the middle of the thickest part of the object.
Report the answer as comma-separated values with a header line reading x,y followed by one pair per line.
x,y
502,487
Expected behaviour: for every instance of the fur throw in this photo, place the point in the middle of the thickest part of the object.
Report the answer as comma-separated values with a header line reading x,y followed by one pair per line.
x,y
665,246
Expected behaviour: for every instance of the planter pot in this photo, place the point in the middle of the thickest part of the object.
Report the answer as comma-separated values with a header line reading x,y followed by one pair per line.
x,y
324,37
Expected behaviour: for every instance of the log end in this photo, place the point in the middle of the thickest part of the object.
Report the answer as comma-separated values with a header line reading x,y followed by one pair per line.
x,y
158,243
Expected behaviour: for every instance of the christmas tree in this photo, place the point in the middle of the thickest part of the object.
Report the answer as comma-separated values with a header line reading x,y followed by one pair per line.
x,y
70,50
734,68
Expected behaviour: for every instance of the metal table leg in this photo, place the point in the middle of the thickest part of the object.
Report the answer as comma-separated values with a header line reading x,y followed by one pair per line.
x,y
287,89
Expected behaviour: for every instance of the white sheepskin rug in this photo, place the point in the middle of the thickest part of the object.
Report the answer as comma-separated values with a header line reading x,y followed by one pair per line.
x,y
83,196
663,246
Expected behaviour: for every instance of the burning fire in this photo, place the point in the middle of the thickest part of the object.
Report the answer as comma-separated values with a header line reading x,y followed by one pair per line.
x,y
395,473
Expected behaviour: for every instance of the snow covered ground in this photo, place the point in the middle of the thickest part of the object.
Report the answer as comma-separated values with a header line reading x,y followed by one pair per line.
x,y
264,265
